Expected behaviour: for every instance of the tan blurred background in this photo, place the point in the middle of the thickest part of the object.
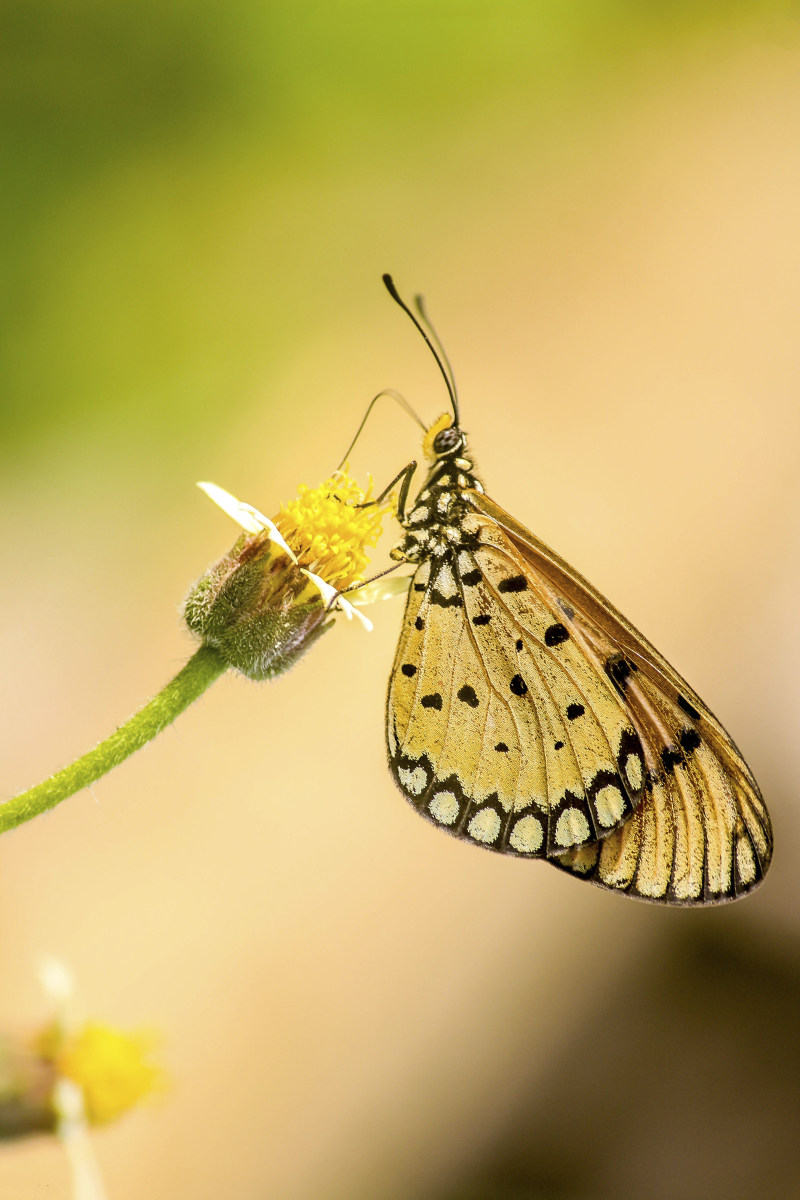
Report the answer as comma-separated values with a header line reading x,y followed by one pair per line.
x,y
600,202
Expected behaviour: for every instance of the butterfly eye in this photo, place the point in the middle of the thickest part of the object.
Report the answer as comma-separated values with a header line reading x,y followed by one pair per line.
x,y
448,440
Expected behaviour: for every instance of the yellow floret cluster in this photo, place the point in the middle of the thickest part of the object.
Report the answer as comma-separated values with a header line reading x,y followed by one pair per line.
x,y
111,1068
328,532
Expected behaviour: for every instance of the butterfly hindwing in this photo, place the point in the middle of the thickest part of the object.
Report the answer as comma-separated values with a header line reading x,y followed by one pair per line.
x,y
702,834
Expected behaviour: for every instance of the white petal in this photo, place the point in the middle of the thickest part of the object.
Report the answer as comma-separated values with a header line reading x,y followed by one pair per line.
x,y
250,519
241,513
68,1101
56,979
331,596
73,1130
327,592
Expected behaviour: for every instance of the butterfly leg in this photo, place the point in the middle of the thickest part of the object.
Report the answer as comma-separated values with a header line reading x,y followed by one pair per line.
x,y
401,588
406,475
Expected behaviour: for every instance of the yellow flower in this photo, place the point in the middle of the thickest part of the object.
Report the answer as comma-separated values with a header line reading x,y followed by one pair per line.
x,y
275,592
111,1068
328,532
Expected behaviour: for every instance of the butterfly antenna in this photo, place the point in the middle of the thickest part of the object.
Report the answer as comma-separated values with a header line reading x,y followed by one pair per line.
x,y
401,400
419,303
448,378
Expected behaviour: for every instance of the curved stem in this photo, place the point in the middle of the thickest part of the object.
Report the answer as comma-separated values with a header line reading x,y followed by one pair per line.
x,y
199,673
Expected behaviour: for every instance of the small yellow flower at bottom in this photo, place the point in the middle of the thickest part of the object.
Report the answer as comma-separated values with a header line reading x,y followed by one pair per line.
x,y
111,1068
276,591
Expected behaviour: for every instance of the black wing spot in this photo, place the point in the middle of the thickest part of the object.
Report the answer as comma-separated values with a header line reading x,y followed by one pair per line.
x,y
434,700
455,601
518,685
574,711
671,759
558,746
515,583
520,643
408,669
688,708
470,578
618,671
690,740
554,635
468,694
420,587
419,623
483,619
502,748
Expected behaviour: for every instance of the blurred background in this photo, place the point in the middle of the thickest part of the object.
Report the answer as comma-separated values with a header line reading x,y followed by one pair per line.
x,y
600,201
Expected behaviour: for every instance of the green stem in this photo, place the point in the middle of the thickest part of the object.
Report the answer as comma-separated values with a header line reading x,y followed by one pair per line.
x,y
198,674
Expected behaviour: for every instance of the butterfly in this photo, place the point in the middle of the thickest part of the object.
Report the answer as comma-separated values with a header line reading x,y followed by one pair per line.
x,y
527,715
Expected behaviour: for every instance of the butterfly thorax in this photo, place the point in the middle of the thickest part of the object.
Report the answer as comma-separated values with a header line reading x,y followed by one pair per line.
x,y
441,521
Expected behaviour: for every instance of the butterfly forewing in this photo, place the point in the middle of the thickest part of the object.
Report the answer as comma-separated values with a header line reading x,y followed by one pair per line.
x,y
502,726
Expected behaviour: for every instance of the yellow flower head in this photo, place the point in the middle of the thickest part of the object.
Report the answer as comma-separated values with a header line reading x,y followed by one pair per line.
x,y
269,599
329,533
111,1068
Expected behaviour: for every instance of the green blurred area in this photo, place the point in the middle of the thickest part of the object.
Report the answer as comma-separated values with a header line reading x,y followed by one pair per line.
x,y
179,176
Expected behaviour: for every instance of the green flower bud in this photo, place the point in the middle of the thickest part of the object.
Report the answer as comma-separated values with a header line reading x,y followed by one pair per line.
x,y
256,608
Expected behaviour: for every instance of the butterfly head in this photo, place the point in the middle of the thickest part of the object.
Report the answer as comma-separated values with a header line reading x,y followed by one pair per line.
x,y
443,440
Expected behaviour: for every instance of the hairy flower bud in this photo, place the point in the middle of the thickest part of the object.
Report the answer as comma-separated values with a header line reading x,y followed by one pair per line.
x,y
248,606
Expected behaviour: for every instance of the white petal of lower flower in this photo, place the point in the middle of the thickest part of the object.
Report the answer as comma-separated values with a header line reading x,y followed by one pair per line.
x,y
56,978
73,1130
